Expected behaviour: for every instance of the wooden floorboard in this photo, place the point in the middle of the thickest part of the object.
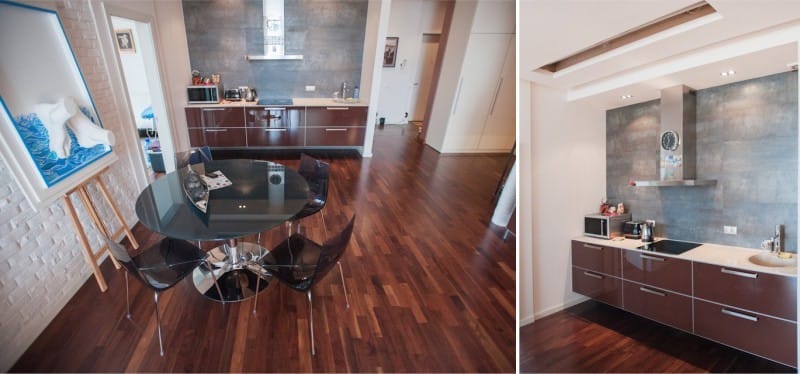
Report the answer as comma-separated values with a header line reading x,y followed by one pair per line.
x,y
594,337
432,287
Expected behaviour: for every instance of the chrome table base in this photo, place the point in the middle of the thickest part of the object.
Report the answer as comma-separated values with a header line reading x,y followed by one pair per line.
x,y
233,266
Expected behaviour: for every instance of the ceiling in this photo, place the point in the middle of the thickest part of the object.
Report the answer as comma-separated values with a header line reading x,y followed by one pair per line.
x,y
752,37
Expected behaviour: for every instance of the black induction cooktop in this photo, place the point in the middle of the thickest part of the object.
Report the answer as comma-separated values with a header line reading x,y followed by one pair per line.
x,y
274,101
672,247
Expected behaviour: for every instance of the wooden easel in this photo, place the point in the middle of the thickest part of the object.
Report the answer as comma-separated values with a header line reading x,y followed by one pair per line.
x,y
91,256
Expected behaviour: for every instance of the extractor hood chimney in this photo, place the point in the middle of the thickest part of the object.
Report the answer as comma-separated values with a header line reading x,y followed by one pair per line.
x,y
677,163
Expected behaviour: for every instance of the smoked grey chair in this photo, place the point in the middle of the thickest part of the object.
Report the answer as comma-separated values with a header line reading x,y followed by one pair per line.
x,y
301,263
159,267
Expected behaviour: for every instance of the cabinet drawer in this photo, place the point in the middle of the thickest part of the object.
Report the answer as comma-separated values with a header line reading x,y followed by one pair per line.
x,y
353,136
598,286
595,257
270,117
197,137
222,117
760,292
761,335
224,137
665,272
661,306
281,136
336,116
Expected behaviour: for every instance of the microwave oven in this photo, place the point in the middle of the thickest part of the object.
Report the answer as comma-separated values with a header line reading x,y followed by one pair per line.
x,y
606,227
204,94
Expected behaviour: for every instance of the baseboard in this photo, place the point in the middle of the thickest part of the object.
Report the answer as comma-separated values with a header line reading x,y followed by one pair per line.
x,y
526,321
559,307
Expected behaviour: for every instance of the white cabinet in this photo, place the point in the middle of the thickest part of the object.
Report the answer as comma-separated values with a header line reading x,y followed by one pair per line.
x,y
499,132
480,88
476,91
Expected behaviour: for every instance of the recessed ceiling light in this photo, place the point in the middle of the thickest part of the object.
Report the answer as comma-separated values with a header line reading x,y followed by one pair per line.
x,y
727,73
625,97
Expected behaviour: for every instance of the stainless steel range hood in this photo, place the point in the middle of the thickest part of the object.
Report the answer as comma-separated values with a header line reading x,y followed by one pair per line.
x,y
677,163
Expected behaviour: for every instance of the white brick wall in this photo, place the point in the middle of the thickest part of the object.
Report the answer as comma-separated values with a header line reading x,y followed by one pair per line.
x,y
41,259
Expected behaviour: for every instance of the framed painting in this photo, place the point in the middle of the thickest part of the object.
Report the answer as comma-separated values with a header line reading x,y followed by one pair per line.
x,y
390,52
51,136
125,41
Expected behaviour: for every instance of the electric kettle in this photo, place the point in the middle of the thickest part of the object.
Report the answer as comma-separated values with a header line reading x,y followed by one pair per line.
x,y
647,231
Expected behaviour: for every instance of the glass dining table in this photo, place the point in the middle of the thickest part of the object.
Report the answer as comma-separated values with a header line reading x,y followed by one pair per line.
x,y
261,195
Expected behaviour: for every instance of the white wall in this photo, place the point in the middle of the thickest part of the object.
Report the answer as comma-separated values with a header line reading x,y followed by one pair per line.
x,y
569,179
524,215
408,20
136,79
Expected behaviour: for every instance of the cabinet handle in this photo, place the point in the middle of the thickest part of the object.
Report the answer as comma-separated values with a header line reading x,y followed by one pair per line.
x,y
337,108
212,109
274,130
645,289
593,275
651,258
338,130
593,247
740,315
496,94
216,130
267,109
739,273
458,94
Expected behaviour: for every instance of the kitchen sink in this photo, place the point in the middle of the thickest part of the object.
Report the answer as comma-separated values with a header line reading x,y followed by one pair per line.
x,y
772,260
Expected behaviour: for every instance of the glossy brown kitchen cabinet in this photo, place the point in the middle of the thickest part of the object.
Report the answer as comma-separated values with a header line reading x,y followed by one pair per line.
x,y
222,117
660,305
194,117
224,137
348,116
335,136
275,126
759,334
665,272
760,292
596,257
598,286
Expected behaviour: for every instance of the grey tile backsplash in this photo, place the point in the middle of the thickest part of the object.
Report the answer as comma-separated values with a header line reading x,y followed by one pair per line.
x,y
328,33
746,140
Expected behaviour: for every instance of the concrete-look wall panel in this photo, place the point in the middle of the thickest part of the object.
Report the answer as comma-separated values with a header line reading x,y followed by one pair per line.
x,y
328,33
747,139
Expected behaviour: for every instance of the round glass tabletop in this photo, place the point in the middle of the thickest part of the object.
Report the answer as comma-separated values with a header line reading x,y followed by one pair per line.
x,y
262,195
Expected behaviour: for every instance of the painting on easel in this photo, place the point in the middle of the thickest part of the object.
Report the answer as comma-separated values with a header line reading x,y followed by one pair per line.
x,y
52,136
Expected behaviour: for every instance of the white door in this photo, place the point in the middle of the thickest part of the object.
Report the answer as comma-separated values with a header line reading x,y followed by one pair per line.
x,y
499,133
422,82
483,63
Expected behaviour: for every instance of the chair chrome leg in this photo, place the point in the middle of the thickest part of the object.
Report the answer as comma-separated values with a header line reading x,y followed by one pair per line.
x,y
255,301
311,321
324,226
158,324
216,283
341,273
127,297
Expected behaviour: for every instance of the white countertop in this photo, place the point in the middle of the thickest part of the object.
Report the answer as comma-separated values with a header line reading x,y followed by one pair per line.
x,y
298,101
714,254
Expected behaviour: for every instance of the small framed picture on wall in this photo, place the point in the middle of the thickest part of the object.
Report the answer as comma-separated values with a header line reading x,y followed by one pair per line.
x,y
125,40
390,52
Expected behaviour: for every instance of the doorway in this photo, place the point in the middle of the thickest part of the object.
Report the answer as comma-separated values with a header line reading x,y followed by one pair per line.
x,y
422,87
135,47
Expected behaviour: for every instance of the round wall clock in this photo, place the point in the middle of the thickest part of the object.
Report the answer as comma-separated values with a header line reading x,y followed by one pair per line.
x,y
670,140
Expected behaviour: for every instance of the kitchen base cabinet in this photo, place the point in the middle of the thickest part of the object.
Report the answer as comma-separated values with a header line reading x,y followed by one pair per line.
x,y
598,286
270,137
664,272
761,335
224,137
764,293
598,258
335,136
659,305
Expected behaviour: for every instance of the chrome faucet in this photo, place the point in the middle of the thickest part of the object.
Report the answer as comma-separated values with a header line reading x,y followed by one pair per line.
x,y
777,240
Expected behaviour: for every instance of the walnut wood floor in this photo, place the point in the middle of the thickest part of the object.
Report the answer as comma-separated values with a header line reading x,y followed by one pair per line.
x,y
432,287
594,337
